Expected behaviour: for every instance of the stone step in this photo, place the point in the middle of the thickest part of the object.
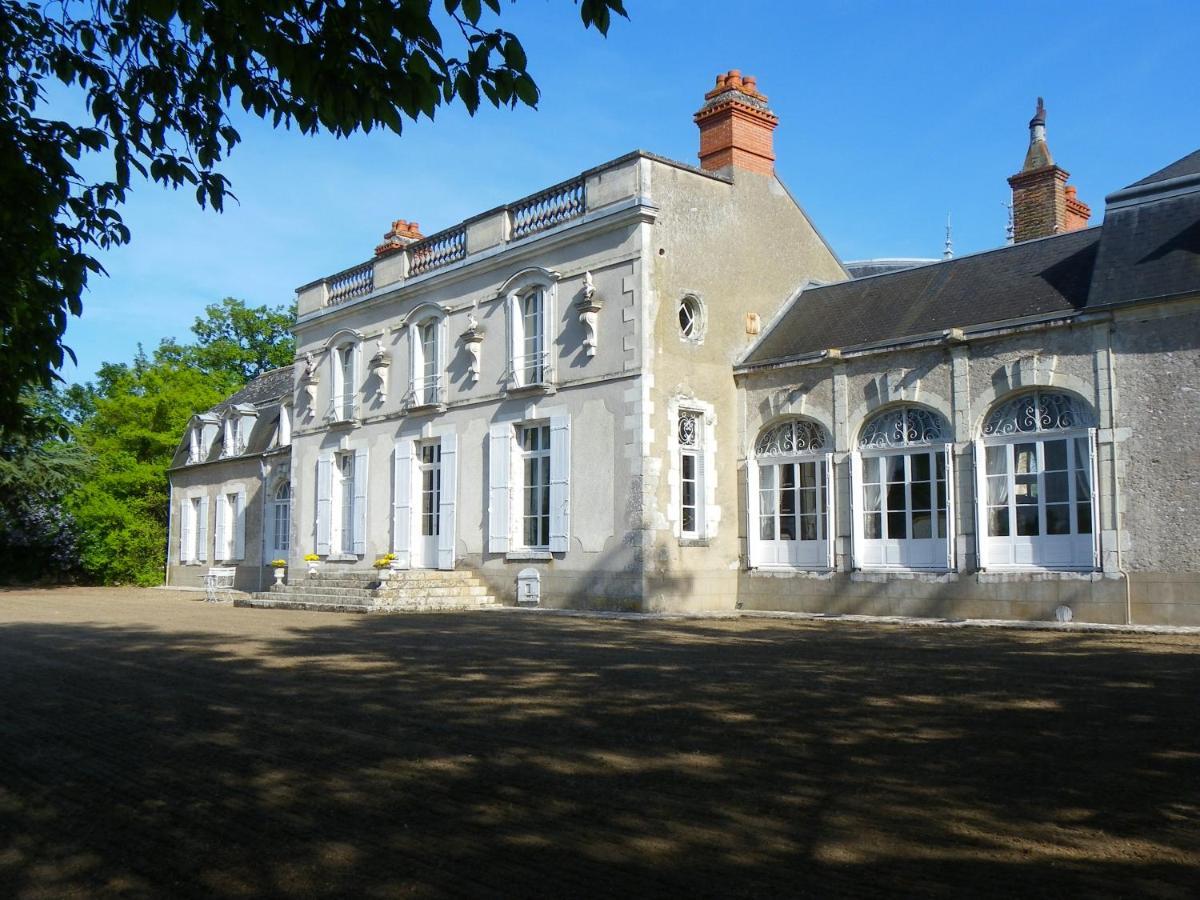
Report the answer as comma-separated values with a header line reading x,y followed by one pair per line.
x,y
269,601
448,604
332,594
416,592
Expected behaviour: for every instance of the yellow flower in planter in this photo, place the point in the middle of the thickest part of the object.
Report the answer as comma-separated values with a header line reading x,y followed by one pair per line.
x,y
311,557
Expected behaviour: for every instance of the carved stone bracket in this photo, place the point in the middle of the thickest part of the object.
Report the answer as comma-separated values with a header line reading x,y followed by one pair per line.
x,y
472,340
380,362
308,386
588,306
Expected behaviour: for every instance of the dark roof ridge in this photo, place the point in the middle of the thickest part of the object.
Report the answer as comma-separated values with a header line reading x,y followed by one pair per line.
x,y
972,255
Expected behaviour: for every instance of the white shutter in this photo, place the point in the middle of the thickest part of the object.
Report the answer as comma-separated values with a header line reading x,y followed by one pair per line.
x,y
499,452
402,461
1096,560
360,501
516,339
221,549
951,530
831,532
446,532
185,530
547,346
202,532
981,535
753,541
239,526
560,484
324,502
856,523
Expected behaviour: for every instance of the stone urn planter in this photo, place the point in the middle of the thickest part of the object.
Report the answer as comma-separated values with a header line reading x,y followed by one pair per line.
x,y
280,572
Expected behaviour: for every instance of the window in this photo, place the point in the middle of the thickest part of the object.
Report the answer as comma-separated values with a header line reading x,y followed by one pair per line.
x,y
232,443
431,489
790,524
691,319
194,435
281,517
426,345
529,486
903,491
230,539
1036,485
691,466
423,502
342,502
535,468
530,307
193,530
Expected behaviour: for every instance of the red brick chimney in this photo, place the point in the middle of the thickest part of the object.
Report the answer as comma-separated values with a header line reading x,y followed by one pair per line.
x,y
1042,203
736,126
402,234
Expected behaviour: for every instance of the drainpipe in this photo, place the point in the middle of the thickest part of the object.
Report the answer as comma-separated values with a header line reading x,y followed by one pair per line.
x,y
262,519
1112,408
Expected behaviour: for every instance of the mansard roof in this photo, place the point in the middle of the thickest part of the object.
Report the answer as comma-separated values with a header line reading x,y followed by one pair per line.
x,y
1147,248
268,387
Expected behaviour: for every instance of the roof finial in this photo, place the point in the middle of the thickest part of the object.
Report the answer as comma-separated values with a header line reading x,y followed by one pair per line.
x,y
1039,117
948,252
1038,156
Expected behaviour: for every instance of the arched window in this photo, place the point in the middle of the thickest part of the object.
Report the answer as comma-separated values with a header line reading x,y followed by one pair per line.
x,y
790,477
281,517
1035,482
531,302
428,355
903,516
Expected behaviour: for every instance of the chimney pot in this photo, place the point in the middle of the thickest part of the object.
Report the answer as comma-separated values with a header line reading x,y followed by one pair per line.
x,y
736,127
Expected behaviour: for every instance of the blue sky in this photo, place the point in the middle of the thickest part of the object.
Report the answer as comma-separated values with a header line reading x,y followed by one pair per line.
x,y
891,115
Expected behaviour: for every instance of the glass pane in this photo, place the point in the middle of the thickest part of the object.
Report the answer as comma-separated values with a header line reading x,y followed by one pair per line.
x,y
1058,518
1083,518
689,519
941,494
1024,458
897,527
920,467
895,498
766,503
997,486
689,493
921,495
1055,453
871,497
941,520
545,429
787,528
689,466
807,474
996,460
998,522
787,476
1026,489
808,528
873,526
766,478
787,500
808,501
1083,457
922,523
766,528
1027,520
894,467
1056,487
871,470
1083,485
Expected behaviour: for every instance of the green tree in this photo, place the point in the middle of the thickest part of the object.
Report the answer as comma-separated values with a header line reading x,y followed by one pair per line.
x,y
232,337
158,78
138,415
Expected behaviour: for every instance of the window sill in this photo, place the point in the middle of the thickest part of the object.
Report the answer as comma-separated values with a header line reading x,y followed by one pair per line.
x,y
418,409
790,572
341,423
694,542
520,555
882,576
544,388
341,557
1000,576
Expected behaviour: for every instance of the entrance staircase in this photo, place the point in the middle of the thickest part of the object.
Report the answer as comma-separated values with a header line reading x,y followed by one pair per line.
x,y
412,591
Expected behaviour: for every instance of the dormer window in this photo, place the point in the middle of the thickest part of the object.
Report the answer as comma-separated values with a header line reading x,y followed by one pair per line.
x,y
194,443
239,421
201,434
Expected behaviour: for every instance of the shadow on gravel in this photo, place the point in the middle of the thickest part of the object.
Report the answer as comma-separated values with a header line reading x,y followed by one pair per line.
x,y
509,755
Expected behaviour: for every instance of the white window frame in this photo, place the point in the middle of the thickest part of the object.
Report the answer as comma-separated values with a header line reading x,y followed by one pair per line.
x,y
704,452
341,503
689,425
280,519
506,488
919,431
807,444
697,315
540,490
428,380
230,539
1044,416
193,530
540,371
343,403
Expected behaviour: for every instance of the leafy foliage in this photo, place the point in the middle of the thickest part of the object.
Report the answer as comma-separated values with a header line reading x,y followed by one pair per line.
x,y
240,340
158,79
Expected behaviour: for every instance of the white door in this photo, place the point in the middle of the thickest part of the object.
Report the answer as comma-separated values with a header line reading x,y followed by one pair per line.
x,y
425,554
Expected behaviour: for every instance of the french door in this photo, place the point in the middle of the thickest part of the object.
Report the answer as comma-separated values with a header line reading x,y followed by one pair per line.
x,y
430,479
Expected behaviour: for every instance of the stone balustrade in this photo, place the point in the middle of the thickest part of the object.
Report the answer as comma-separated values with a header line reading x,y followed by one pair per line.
x,y
547,209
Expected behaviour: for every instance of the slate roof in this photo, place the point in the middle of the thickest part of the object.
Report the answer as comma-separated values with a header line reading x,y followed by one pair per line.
x,y
267,387
1147,248
1189,165
1027,279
